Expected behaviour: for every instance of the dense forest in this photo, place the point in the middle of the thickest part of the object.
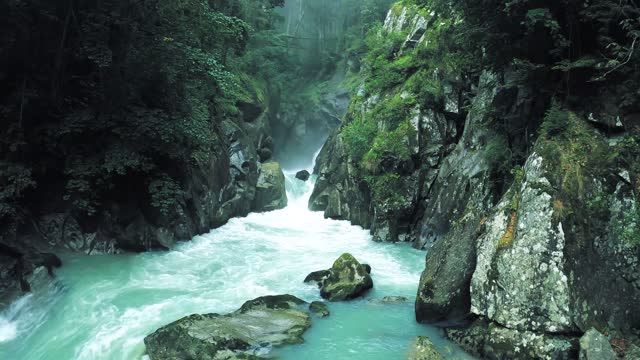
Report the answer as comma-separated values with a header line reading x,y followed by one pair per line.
x,y
501,136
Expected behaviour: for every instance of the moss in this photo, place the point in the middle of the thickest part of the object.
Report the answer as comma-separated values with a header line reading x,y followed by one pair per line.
x,y
397,8
574,152
252,90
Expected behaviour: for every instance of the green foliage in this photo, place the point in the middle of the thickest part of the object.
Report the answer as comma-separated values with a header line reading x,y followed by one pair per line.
x,y
117,96
428,89
393,110
560,46
164,192
556,121
576,153
358,136
629,150
384,71
395,145
15,179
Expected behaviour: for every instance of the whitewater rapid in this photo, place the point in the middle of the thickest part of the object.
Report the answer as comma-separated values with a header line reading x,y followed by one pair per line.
x,y
102,307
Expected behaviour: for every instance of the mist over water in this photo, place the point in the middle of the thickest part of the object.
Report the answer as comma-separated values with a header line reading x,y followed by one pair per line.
x,y
102,307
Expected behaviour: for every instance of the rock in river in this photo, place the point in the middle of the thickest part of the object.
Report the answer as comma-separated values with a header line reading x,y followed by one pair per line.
x,y
423,349
319,308
269,321
303,175
347,279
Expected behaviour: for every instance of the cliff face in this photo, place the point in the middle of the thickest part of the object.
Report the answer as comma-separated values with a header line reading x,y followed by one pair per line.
x,y
443,165
528,257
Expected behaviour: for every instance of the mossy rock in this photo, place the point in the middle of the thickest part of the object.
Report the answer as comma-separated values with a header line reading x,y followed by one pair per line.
x,y
319,308
273,302
347,279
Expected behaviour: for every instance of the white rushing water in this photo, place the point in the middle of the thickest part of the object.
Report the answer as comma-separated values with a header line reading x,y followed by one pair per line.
x,y
103,306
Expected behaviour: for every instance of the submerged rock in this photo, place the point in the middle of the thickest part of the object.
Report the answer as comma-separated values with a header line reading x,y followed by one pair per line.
x,y
319,308
423,349
347,279
270,190
390,300
394,299
595,346
269,321
303,175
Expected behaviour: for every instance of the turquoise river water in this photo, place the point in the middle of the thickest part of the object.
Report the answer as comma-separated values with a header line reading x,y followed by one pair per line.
x,y
102,307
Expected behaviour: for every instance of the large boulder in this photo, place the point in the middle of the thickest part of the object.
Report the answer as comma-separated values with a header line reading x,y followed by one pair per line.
x,y
423,349
259,324
595,346
303,175
347,279
270,190
519,280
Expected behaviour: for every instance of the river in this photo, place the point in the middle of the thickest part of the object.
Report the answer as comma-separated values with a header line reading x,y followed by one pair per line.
x,y
102,307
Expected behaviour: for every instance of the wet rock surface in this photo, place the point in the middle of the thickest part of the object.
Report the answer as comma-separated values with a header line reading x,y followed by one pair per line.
x,y
259,324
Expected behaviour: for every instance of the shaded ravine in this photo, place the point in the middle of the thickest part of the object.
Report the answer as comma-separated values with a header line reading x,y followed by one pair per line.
x,y
101,307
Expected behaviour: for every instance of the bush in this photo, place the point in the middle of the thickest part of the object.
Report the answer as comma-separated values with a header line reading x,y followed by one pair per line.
x,y
358,136
395,145
556,121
